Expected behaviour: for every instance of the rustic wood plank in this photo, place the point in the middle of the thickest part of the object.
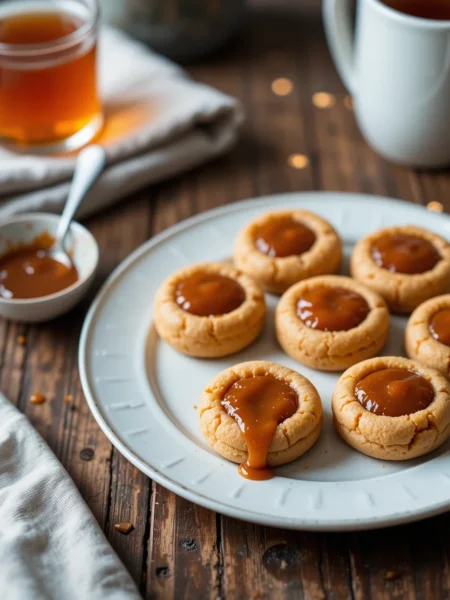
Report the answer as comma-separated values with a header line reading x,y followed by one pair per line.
x,y
428,560
279,128
442,526
184,555
226,178
13,358
359,570
312,579
402,562
267,563
47,364
435,187
336,566
129,502
389,557
182,545
162,545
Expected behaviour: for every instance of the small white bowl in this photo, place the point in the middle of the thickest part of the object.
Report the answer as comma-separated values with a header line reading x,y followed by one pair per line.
x,y
84,252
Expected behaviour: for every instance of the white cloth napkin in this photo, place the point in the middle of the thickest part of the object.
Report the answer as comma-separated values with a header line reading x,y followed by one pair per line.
x,y
159,123
51,547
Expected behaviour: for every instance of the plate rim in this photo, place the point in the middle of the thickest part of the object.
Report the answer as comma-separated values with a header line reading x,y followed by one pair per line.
x,y
365,523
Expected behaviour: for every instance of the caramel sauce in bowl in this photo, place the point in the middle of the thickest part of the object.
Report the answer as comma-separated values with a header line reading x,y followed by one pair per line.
x,y
28,271
33,287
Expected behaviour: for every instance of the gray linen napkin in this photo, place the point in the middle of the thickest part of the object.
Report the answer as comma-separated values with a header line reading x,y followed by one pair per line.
x,y
50,544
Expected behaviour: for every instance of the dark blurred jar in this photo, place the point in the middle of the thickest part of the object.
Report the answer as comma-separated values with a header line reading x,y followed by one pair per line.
x,y
181,29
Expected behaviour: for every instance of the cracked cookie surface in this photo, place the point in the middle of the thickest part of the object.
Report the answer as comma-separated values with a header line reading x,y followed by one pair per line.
x,y
391,438
403,292
331,350
209,336
277,274
419,341
293,437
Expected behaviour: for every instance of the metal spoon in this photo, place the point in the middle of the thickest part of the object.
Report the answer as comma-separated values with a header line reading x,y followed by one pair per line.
x,y
89,165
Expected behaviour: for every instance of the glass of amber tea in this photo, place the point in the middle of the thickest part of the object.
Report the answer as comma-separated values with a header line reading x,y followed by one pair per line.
x,y
49,100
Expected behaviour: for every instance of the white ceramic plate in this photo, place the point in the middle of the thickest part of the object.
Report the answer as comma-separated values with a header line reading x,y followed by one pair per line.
x,y
143,394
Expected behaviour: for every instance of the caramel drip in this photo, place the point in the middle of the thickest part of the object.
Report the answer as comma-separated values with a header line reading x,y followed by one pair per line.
x,y
258,405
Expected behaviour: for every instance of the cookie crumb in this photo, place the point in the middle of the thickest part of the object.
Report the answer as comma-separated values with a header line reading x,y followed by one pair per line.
x,y
195,407
21,340
124,528
435,206
391,576
37,398
68,398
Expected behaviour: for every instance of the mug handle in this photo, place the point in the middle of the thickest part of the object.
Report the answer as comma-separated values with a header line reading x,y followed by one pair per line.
x,y
338,28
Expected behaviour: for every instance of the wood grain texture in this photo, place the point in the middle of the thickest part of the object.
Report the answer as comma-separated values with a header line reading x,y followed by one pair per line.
x,y
178,550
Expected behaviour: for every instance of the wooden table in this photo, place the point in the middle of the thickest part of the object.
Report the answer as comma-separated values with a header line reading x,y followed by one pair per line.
x,y
178,550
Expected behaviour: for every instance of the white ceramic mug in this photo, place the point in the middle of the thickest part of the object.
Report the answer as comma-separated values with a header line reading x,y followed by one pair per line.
x,y
397,68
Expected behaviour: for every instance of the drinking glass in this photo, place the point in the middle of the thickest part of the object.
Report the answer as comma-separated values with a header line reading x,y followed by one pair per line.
x,y
49,100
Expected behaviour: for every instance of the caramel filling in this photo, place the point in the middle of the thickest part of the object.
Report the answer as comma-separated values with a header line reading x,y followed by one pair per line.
x,y
258,405
284,237
29,272
407,254
209,294
440,326
332,309
394,392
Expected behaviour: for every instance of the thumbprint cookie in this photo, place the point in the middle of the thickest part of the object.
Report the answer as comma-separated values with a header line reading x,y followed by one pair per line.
x,y
392,408
209,310
427,335
331,322
261,415
279,249
406,265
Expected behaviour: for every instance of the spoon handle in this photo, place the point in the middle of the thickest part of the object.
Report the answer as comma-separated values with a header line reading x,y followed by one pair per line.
x,y
89,165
